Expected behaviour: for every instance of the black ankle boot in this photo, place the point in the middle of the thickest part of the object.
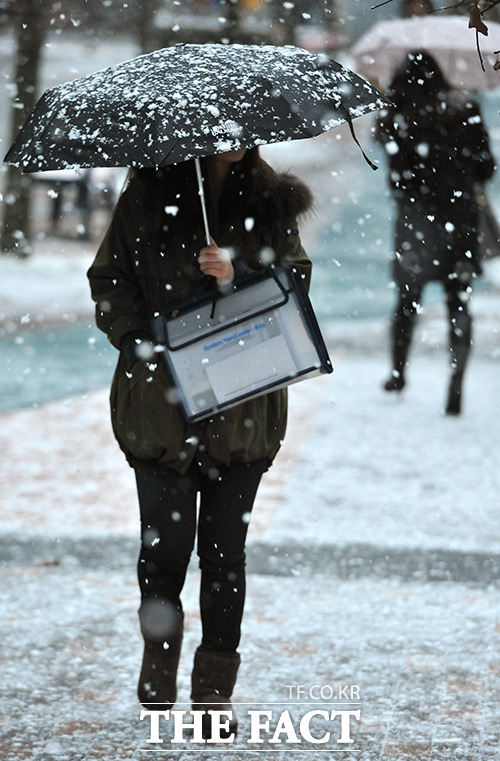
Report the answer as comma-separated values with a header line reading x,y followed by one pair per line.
x,y
162,630
401,333
395,383
213,679
157,687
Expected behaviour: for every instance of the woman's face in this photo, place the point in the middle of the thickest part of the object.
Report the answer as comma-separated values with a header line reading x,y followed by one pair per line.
x,y
231,157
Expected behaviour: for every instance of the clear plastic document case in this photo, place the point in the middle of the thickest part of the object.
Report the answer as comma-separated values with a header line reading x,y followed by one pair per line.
x,y
260,334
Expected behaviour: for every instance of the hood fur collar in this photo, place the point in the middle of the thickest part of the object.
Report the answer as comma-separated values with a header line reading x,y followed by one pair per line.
x,y
280,198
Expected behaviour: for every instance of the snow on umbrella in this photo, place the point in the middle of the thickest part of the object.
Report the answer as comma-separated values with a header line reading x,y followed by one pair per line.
x,y
189,101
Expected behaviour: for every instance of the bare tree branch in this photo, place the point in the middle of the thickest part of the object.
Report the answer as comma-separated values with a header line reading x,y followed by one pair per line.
x,y
458,4
451,7
386,2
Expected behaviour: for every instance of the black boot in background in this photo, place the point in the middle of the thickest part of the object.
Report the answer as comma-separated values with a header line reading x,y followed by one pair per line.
x,y
460,337
454,403
401,332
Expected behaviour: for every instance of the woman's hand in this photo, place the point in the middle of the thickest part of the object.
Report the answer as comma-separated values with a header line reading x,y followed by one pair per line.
x,y
216,261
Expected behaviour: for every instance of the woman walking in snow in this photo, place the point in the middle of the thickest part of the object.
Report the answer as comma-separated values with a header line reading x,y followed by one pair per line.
x,y
438,153
154,254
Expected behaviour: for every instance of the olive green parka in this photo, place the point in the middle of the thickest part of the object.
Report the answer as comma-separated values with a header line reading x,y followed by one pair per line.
x,y
148,259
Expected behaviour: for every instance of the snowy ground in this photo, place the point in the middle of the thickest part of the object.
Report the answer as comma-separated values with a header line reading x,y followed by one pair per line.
x,y
374,549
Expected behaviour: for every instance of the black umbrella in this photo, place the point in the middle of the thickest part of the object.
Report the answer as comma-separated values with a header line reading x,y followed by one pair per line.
x,y
189,101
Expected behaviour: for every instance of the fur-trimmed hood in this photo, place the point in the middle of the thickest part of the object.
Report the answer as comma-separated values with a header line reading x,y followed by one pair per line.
x,y
280,199
286,194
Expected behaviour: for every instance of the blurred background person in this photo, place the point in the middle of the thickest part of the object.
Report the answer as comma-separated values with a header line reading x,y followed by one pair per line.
x,y
438,153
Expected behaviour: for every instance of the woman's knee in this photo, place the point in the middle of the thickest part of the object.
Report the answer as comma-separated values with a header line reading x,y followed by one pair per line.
x,y
220,565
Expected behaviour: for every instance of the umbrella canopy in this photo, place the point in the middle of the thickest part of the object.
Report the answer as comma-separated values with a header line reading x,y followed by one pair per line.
x,y
379,52
189,101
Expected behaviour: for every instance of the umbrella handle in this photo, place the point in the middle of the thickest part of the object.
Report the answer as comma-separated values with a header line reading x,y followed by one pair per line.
x,y
201,193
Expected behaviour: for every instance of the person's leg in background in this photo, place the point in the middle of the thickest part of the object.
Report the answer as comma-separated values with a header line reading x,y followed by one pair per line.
x,y
409,276
402,326
460,338
464,264
56,193
83,205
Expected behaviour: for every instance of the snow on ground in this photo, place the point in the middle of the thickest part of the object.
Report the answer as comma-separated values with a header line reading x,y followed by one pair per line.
x,y
48,287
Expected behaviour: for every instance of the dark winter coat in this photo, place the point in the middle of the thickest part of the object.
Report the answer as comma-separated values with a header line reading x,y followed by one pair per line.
x,y
148,259
438,153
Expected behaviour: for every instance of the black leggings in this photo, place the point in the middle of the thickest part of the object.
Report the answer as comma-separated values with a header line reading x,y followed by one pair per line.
x,y
426,251
168,504
460,324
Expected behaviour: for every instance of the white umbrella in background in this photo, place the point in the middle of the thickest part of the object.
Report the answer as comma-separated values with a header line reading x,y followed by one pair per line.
x,y
379,52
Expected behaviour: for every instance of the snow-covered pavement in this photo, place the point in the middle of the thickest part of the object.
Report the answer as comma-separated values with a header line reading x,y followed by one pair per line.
x,y
374,559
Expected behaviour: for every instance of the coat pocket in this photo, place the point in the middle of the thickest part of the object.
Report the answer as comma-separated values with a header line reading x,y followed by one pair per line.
x,y
147,420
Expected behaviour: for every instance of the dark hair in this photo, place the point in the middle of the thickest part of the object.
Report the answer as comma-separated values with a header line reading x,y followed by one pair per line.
x,y
418,81
249,193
